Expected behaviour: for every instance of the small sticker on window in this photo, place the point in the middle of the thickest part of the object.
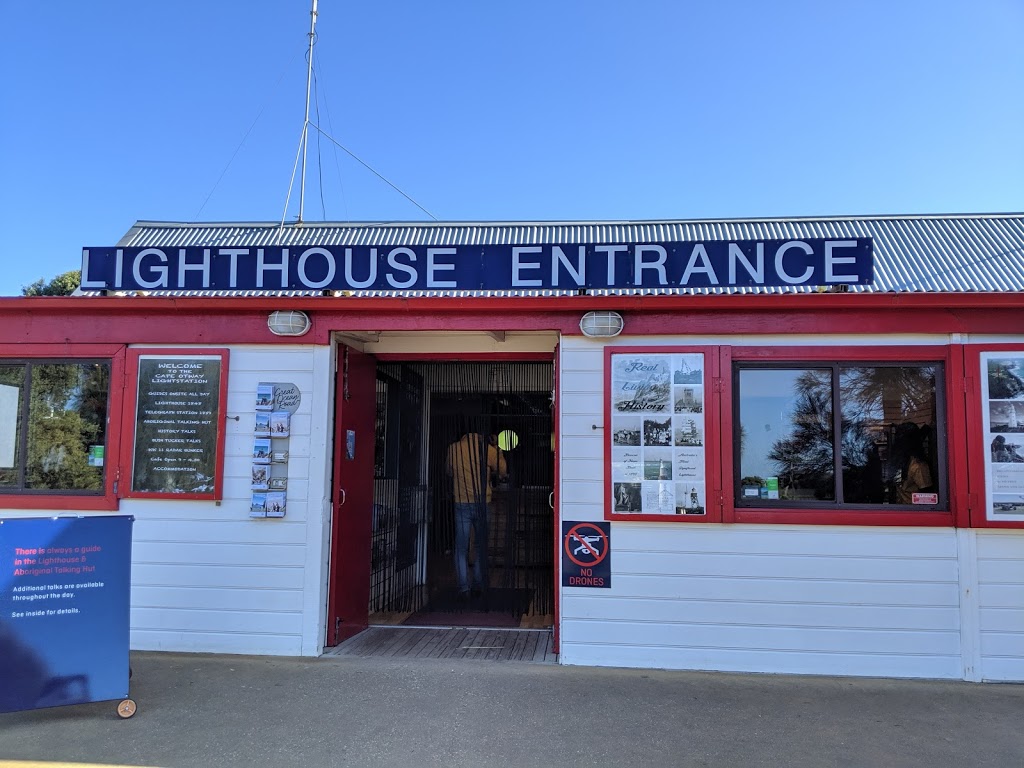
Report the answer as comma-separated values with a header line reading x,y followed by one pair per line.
x,y
924,498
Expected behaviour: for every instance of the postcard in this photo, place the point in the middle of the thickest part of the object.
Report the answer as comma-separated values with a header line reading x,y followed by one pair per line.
x,y
260,473
280,423
276,504
261,451
264,397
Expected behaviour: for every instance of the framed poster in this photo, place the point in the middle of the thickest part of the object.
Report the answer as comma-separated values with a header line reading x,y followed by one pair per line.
x,y
175,417
656,447
1002,417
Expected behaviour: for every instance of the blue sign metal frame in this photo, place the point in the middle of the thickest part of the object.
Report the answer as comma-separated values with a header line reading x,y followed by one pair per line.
x,y
64,610
559,267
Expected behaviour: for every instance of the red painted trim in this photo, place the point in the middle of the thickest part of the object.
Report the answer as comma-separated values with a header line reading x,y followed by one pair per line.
x,y
334,571
723,420
712,456
352,520
975,434
465,356
957,430
844,353
17,502
692,321
223,320
127,461
846,517
62,351
719,434
556,512
946,354
576,302
107,501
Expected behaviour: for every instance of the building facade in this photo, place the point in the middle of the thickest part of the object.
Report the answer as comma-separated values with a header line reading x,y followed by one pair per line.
x,y
762,446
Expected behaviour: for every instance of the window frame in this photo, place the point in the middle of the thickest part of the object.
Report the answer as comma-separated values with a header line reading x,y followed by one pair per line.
x,y
129,420
978,497
87,501
952,450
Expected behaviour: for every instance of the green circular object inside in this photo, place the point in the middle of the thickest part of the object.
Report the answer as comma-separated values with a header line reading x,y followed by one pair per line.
x,y
507,440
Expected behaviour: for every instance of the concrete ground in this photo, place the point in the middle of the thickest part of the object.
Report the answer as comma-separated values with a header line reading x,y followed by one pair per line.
x,y
205,710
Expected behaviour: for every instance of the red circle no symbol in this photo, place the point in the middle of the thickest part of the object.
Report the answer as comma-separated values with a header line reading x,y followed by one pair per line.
x,y
586,541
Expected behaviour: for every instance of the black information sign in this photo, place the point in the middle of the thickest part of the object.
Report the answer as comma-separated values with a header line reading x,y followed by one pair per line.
x,y
586,549
176,424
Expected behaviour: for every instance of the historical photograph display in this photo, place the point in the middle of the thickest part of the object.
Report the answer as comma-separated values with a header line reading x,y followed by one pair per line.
x,y
656,435
1002,396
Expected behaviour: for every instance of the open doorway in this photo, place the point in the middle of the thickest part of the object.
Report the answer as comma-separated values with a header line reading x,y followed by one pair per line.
x,y
422,411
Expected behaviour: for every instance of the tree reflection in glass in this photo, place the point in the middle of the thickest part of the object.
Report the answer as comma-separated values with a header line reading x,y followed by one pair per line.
x,y
888,417
67,415
12,388
786,423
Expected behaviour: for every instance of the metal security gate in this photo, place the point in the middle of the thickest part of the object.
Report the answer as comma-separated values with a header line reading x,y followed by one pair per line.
x,y
423,410
399,498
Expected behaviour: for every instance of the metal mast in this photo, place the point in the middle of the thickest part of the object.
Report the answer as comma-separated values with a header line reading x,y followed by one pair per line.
x,y
305,124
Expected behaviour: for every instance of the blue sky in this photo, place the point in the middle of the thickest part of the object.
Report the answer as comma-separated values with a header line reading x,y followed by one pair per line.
x,y
117,111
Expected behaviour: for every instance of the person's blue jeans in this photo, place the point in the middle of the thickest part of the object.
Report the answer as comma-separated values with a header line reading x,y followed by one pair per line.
x,y
471,515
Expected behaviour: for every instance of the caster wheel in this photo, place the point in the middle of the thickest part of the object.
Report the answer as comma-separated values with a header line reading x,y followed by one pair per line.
x,y
126,709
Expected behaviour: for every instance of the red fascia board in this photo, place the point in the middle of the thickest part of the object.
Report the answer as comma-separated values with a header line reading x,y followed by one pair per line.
x,y
446,304
224,320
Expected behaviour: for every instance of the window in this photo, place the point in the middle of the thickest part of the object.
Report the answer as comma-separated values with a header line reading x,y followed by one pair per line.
x,y
865,435
53,426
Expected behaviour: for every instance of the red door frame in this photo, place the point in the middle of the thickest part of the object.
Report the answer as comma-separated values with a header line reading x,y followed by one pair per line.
x,y
556,563
348,590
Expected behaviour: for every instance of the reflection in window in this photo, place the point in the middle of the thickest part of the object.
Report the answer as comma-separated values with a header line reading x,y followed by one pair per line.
x,y
786,444
888,418
886,453
12,393
59,426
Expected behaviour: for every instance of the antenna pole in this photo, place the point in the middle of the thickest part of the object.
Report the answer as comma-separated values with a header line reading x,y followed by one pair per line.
x,y
305,124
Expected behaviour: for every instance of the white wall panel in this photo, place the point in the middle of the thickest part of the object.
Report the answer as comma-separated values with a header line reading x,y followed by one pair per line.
x,y
757,598
1000,566
206,576
215,599
270,644
801,662
202,620
768,613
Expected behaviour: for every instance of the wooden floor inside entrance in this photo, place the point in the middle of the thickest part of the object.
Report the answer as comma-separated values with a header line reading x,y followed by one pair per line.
x,y
529,645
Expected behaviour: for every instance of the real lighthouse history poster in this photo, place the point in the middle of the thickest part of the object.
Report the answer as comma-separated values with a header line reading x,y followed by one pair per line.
x,y
658,462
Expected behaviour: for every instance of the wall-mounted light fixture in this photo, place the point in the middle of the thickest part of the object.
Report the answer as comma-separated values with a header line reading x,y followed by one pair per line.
x,y
601,324
288,322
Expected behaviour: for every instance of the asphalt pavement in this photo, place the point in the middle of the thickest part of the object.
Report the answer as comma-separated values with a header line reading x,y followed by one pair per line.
x,y
217,710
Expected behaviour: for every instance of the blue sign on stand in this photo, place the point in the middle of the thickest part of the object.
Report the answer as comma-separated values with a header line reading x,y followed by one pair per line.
x,y
64,607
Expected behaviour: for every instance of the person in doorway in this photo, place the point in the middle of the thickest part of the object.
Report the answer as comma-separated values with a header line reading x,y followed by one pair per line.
x,y
473,465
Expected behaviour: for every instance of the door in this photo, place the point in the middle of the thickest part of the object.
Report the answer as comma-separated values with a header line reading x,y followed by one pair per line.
x,y
352,515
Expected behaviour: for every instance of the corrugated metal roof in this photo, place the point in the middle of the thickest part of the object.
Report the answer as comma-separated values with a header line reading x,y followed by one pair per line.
x,y
933,254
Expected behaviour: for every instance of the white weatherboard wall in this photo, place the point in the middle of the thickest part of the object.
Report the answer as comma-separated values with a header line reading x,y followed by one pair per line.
x,y
206,576
1000,573
842,600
